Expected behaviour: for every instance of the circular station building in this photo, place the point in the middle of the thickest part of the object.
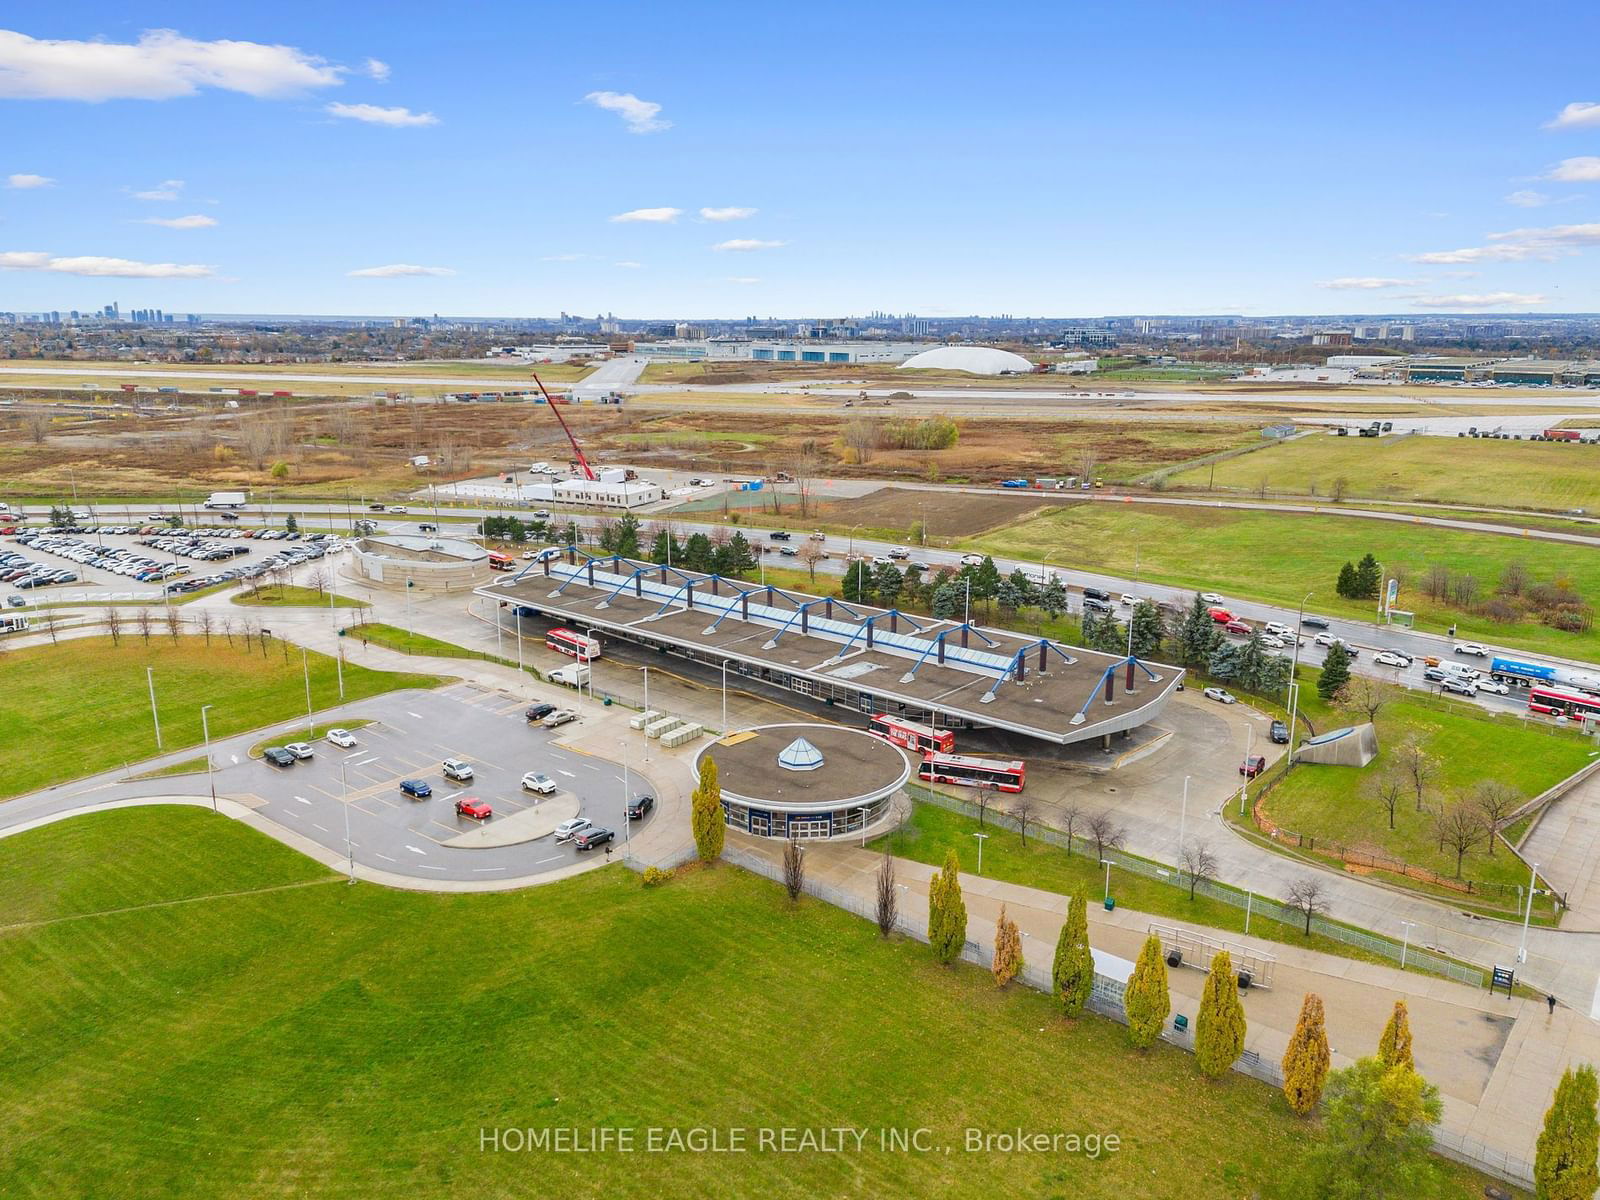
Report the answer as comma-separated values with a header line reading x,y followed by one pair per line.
x,y
807,781
428,564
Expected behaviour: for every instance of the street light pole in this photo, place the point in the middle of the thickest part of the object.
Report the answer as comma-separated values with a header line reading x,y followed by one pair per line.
x,y
344,802
1249,744
1527,916
1183,817
1294,682
724,697
1405,941
982,837
1106,863
305,669
205,732
155,716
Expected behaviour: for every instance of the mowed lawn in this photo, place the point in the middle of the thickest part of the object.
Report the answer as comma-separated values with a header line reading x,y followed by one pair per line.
x,y
1467,745
1450,470
1279,557
329,1040
83,706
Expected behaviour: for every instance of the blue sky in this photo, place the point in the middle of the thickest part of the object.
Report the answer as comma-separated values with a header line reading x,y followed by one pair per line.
x,y
1156,158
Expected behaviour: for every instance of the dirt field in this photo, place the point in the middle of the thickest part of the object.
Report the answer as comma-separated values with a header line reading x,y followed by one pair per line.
x,y
947,515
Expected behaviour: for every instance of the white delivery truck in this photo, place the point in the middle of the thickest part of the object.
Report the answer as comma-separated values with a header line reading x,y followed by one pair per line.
x,y
226,500
575,675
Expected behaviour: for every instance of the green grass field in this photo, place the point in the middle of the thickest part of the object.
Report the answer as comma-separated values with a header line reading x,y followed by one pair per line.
x,y
395,638
289,595
1278,557
1468,745
83,706
236,1021
1543,475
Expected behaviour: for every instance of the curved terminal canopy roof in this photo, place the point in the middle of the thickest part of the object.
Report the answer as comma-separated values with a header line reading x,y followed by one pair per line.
x,y
975,360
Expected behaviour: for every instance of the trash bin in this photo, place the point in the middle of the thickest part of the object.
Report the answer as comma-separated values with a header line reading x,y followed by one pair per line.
x,y
1244,981
1180,1022
1174,958
1111,902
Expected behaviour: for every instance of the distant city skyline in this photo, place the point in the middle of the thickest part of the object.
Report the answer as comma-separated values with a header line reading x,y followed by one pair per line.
x,y
399,159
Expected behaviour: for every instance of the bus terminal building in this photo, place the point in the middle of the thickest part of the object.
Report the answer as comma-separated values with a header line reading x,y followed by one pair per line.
x,y
854,656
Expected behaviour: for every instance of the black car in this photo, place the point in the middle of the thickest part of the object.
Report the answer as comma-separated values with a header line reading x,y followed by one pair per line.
x,y
418,788
1280,733
639,805
1314,622
1410,658
539,712
780,535
1094,593
1092,604
595,835
278,756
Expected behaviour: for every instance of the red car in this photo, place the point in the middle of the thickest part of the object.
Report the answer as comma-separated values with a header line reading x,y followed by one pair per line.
x,y
1220,615
1237,626
471,806
1252,766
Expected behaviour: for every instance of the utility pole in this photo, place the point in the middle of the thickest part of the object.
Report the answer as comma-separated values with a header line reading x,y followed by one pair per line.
x,y
155,716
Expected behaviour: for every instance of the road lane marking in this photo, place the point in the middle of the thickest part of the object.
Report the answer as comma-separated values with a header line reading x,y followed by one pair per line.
x,y
386,858
568,774
314,825
427,867
415,849
409,713
542,861
302,800
482,870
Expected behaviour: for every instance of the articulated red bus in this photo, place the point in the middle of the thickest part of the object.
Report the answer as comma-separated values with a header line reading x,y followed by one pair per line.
x,y
973,772
1563,702
499,562
924,739
564,641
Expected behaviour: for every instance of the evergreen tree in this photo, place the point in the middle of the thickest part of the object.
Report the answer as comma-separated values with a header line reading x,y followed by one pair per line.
x,y
1275,672
1377,1136
1007,949
1305,1062
1223,662
947,912
291,524
1053,598
1394,1047
985,580
1010,597
1027,590
1564,1165
1146,1000
913,589
1369,578
625,537
1198,635
705,812
698,554
665,548
1335,672
1346,585
1251,661
946,602
737,559
571,536
1219,1029
1147,629
1072,973
888,583
857,587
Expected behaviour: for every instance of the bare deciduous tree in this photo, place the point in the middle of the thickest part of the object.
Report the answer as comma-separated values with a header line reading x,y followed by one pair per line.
x,y
1198,863
1418,765
1071,817
206,621
143,622
1023,813
1496,801
114,625
1388,788
1366,695
811,554
173,618
1309,898
1339,490
1107,834
36,425
794,869
888,906
1459,828
984,796
318,580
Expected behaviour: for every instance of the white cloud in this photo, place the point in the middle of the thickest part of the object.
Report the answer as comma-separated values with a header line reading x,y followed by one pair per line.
x,y
746,244
377,69
632,266
161,65
1480,300
1527,198
743,279
1552,235
167,189
399,271
28,182
1519,245
374,115
1585,169
638,115
89,264
1474,254
658,216
726,214
1577,115
196,221
1365,283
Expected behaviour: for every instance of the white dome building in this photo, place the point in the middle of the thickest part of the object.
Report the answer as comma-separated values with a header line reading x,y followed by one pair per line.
x,y
974,360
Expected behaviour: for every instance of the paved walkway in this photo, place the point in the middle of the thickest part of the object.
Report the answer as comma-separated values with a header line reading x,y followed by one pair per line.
x,y
1566,845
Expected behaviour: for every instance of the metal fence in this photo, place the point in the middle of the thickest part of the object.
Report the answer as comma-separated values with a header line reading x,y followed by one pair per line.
x,y
1414,958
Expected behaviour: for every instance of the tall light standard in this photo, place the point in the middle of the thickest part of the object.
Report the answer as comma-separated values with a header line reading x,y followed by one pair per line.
x,y
724,697
305,669
1405,941
1527,916
1294,682
205,732
1183,816
982,838
1249,744
344,803
1106,863
589,662
150,678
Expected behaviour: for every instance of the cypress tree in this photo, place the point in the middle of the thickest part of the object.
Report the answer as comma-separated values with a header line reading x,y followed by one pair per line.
x,y
1369,578
1007,949
1335,672
1146,1000
1073,971
1394,1047
1219,1029
1305,1062
705,812
1346,586
947,917
1564,1165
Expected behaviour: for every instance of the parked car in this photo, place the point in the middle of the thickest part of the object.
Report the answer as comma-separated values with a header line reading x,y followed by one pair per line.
x,y
1221,695
1385,658
417,789
538,781
278,756
1476,649
539,712
471,806
457,769
1253,766
595,835
300,749
1314,622
1238,627
1279,733
569,829
342,738
640,805
560,717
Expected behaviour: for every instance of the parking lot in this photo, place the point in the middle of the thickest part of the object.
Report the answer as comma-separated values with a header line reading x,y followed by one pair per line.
x,y
410,737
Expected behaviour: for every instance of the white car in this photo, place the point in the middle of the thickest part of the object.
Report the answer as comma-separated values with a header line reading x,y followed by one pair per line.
x,y
1386,659
1494,686
1211,597
1276,628
882,560
547,554
899,552
560,717
537,781
972,560
1129,598
1325,639
1221,695
1271,642
300,749
1478,649
398,508
342,738
567,829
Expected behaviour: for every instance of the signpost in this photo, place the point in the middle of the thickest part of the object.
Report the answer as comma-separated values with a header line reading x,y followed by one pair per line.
x,y
1502,977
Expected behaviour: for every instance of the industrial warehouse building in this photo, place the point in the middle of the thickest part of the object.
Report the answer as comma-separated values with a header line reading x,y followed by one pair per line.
x,y
851,656
612,490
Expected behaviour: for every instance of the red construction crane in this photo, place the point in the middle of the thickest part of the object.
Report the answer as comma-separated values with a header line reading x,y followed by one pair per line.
x,y
588,471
